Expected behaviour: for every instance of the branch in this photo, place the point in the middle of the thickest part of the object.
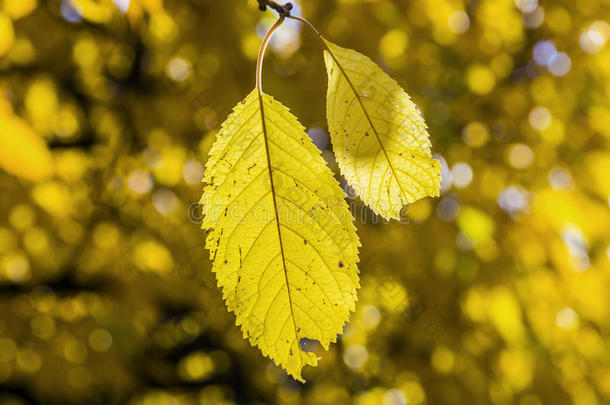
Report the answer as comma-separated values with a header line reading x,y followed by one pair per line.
x,y
283,10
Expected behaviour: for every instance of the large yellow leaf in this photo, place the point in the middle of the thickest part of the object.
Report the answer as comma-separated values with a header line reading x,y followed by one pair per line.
x,y
378,135
281,237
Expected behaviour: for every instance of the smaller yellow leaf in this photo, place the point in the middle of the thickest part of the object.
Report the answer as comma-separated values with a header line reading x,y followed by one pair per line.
x,y
378,134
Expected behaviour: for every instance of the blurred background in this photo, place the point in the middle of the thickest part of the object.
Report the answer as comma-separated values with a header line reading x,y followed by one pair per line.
x,y
494,293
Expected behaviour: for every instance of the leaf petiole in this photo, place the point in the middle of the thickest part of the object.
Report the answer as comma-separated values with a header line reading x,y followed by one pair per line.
x,y
315,30
304,21
261,54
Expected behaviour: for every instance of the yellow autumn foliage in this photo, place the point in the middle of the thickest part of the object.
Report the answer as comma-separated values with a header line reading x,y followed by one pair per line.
x,y
281,238
379,136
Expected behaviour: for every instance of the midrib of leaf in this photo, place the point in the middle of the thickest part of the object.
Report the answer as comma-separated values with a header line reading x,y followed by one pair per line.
x,y
404,195
277,221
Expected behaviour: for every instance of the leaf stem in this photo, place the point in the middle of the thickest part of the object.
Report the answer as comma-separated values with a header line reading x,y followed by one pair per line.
x,y
301,19
315,30
261,53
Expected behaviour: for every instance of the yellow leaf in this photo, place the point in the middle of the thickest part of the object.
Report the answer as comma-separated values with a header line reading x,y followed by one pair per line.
x,y
378,135
23,152
281,237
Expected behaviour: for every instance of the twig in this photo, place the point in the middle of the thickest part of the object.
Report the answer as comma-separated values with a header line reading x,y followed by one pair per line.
x,y
283,10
